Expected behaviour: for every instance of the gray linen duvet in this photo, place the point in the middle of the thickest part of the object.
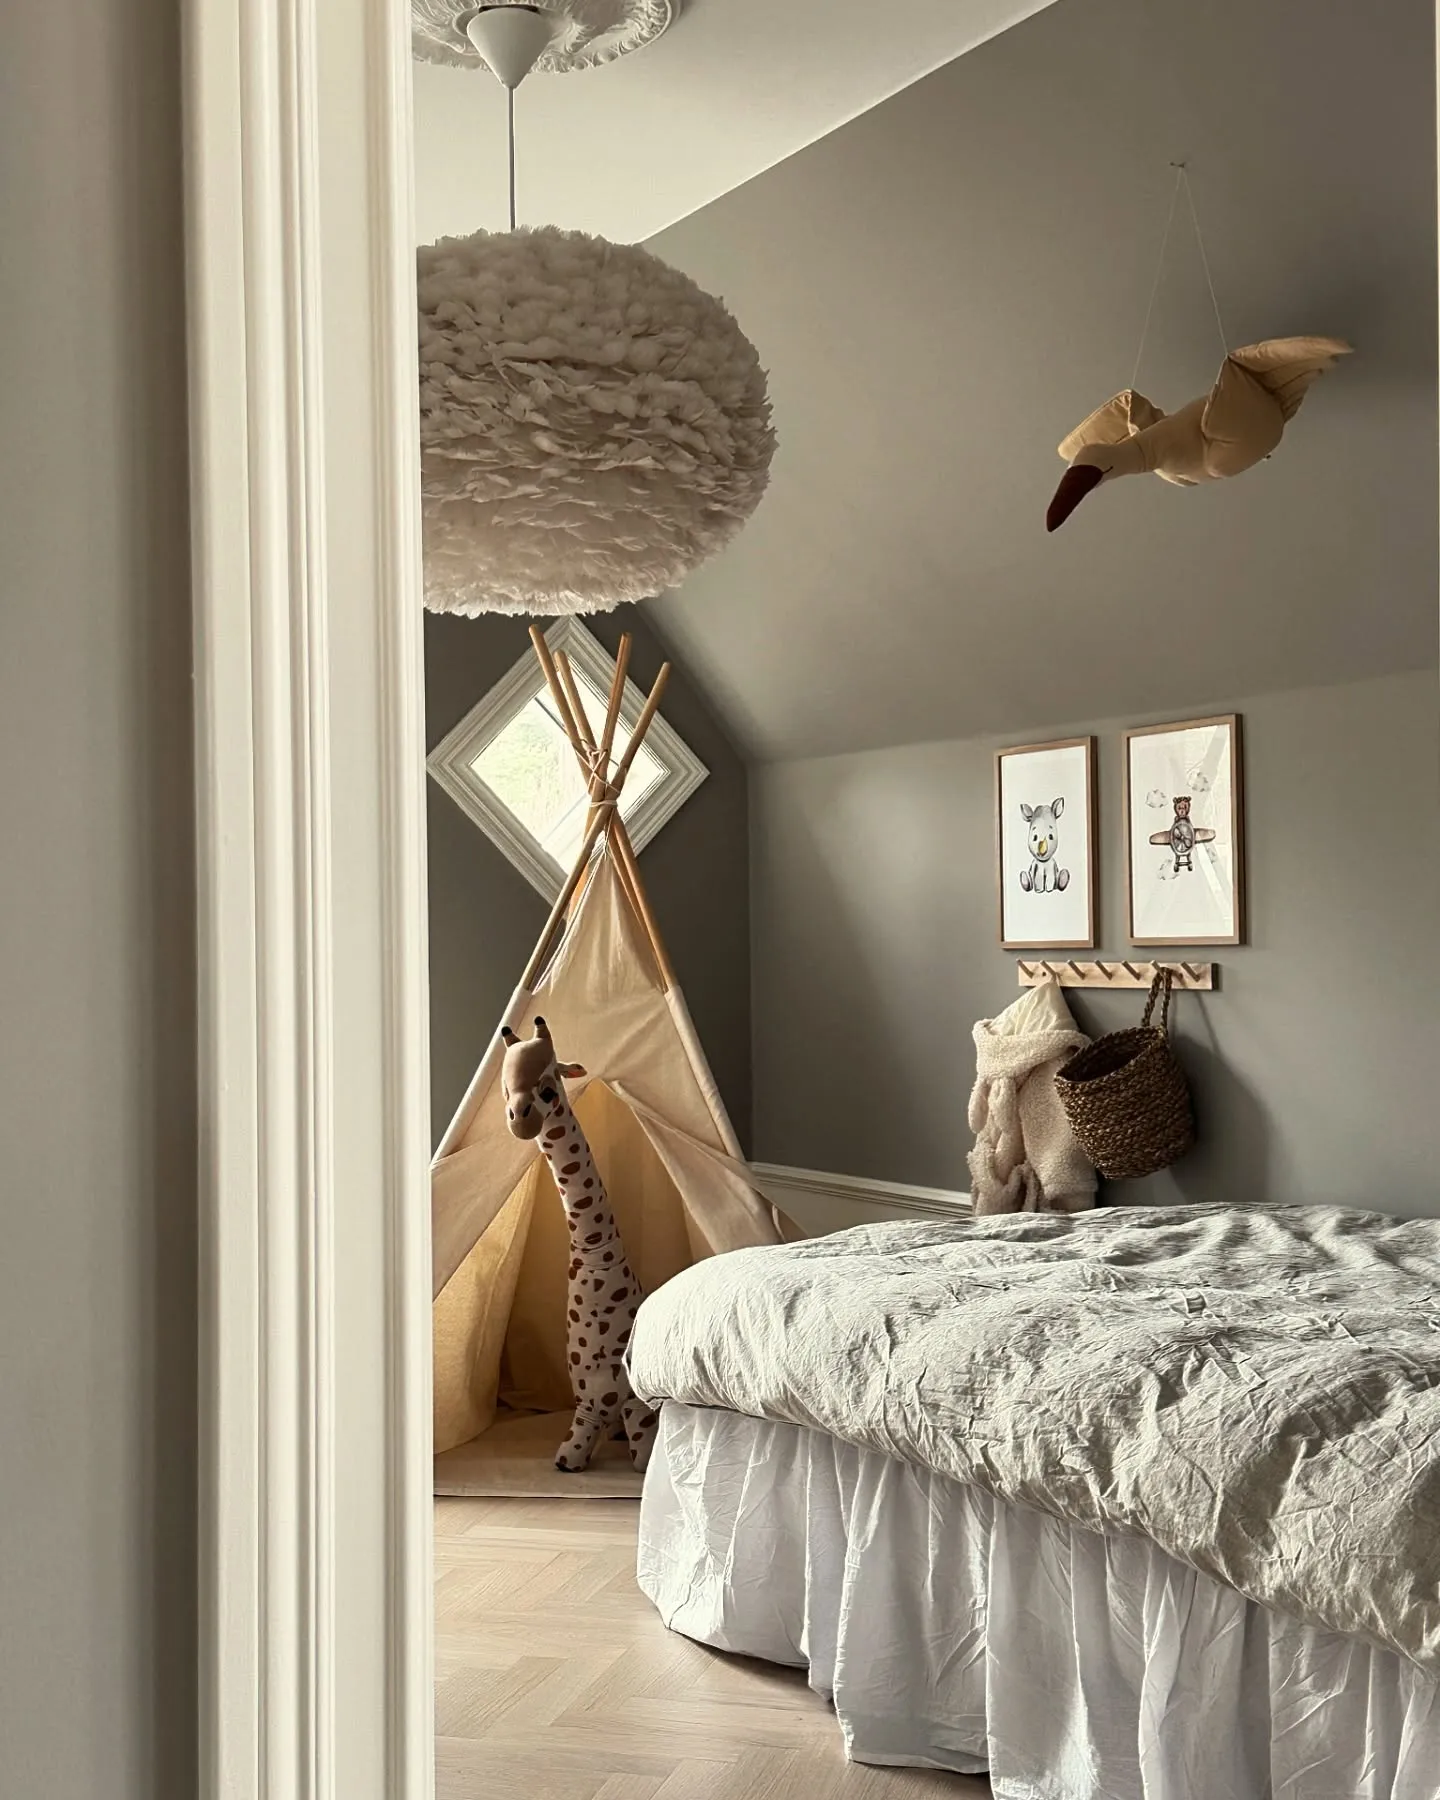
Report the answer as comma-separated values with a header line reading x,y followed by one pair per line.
x,y
1257,1390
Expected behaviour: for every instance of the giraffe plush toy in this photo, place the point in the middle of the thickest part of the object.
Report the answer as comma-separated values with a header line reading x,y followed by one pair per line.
x,y
604,1294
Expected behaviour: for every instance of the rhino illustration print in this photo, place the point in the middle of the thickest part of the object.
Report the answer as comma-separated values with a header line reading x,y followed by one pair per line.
x,y
1044,876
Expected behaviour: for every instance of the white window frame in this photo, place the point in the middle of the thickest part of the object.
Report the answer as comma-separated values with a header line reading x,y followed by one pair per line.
x,y
450,761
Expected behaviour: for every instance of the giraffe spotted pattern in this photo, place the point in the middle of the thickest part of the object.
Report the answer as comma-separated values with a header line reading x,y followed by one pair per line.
x,y
604,1295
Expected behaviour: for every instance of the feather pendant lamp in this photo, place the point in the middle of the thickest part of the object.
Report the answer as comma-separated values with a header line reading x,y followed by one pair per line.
x,y
593,425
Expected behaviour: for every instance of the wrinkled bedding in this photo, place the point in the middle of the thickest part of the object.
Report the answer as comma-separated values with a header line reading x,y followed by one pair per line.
x,y
1256,1390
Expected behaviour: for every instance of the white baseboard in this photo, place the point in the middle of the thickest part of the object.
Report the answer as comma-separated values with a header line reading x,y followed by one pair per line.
x,y
820,1202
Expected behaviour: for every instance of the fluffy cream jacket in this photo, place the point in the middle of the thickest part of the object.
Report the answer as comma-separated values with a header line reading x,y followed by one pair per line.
x,y
1025,1157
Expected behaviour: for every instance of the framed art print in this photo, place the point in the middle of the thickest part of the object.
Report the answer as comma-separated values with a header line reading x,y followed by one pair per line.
x,y
1183,832
1045,845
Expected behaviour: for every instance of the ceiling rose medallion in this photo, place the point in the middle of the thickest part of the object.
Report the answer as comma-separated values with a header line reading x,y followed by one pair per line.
x,y
585,33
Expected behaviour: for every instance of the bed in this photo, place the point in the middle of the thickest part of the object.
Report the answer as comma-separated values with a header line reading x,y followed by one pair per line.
x,y
1140,1504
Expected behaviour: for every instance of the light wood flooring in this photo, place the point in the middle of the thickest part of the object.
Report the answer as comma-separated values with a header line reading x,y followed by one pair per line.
x,y
555,1679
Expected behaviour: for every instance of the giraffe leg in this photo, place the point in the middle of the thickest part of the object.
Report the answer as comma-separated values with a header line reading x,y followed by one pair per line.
x,y
586,1430
640,1427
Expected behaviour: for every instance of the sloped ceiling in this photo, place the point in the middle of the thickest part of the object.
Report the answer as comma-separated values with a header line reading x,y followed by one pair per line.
x,y
945,286
732,88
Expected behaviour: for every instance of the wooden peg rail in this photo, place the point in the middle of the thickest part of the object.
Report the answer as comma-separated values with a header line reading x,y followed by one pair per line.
x,y
1199,976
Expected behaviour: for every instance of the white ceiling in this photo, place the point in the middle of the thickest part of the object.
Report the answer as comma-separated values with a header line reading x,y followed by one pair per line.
x,y
733,88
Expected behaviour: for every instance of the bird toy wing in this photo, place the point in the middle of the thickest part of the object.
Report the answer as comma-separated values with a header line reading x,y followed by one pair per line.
x,y
1288,367
1118,419
1241,423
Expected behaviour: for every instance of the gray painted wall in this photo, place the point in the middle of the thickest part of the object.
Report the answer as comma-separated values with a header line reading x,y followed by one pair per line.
x,y
97,1105
485,916
1314,1066
947,285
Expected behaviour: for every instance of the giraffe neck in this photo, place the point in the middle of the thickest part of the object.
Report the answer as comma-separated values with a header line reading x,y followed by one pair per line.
x,y
593,1231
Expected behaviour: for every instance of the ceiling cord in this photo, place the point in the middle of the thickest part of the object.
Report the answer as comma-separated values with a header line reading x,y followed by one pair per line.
x,y
1159,272
1204,261
510,115
1182,179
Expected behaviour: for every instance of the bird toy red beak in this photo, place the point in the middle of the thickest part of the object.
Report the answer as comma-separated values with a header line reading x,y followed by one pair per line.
x,y
1075,484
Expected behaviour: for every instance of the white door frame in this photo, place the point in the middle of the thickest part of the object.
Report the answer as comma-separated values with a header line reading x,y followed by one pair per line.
x,y
315,1357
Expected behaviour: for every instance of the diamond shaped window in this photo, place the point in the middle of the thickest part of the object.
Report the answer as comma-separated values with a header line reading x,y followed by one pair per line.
x,y
509,765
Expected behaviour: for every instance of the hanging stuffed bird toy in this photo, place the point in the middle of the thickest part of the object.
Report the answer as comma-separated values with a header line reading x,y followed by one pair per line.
x,y
1230,429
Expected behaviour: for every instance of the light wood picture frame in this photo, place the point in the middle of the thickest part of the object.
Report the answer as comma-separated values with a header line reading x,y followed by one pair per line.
x,y
1184,832
1046,874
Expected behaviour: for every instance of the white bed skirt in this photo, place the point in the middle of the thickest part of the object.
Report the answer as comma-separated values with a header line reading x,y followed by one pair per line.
x,y
956,1632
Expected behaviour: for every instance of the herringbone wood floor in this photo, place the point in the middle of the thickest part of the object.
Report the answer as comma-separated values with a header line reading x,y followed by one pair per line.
x,y
557,1681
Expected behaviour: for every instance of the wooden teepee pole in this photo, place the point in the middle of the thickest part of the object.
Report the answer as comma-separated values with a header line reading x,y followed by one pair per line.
x,y
572,723
577,711
630,870
577,730
625,859
557,693
567,894
563,690
594,763
617,695
642,725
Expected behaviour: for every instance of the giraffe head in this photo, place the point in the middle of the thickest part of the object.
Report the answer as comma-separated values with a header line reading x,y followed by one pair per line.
x,y
530,1079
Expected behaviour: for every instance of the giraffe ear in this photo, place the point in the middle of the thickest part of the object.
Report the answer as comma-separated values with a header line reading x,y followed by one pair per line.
x,y
571,1071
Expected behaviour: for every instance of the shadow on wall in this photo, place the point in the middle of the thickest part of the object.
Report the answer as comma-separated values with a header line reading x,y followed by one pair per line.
x,y
865,957
1233,1154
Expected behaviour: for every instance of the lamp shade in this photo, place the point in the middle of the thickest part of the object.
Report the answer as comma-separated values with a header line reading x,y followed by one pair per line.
x,y
593,425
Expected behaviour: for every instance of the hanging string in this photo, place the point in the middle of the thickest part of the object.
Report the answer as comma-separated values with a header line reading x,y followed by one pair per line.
x,y
1159,272
510,124
1182,179
1204,261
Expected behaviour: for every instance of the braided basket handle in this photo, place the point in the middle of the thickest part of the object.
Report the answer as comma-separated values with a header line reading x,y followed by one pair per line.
x,y
1163,978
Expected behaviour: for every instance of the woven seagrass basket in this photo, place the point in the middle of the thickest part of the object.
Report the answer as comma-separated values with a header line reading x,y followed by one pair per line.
x,y
1126,1097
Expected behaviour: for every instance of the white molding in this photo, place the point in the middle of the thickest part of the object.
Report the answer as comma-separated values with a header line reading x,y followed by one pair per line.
x,y
450,761
819,1202
315,1636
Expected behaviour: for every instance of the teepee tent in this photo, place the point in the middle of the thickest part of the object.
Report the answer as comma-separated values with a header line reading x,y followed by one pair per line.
x,y
677,1179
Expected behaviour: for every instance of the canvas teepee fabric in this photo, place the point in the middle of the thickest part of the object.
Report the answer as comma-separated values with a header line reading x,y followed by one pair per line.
x,y
676,1177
